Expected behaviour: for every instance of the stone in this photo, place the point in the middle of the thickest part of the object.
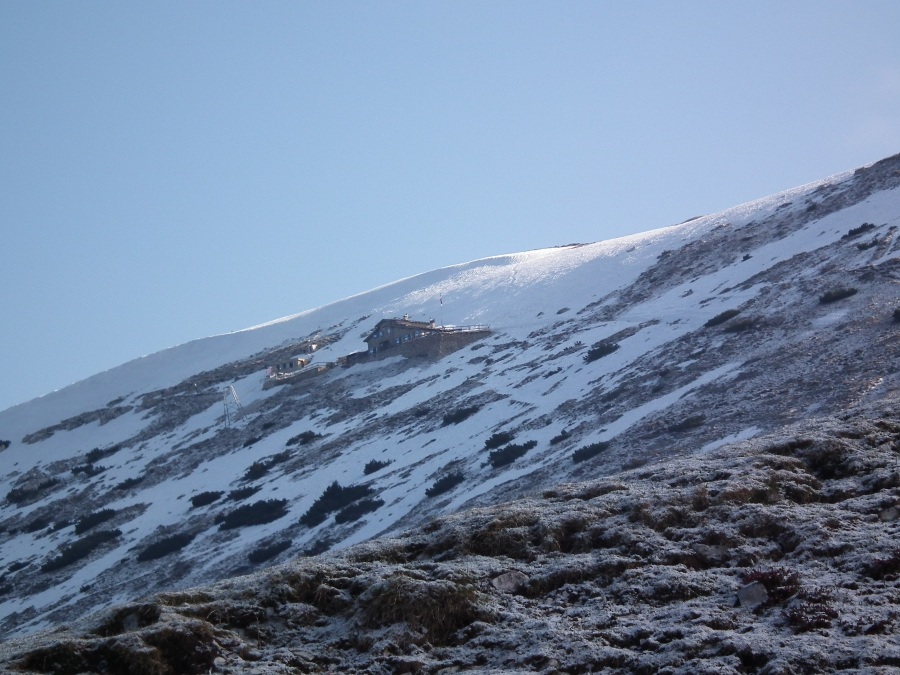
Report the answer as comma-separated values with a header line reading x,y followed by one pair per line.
x,y
510,582
752,595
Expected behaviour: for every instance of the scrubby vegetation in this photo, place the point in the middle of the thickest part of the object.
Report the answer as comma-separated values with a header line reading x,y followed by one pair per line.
x,y
498,439
91,520
81,548
263,553
560,437
837,294
257,513
445,484
243,493
4,445
856,231
722,318
600,350
164,547
129,483
688,423
588,451
260,468
88,469
97,454
357,510
205,498
510,453
374,465
459,415
303,438
29,492
334,498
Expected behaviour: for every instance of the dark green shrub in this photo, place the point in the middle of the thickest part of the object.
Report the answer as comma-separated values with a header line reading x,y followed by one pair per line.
x,y
459,415
91,520
257,513
97,454
333,499
374,465
688,423
586,452
4,445
81,548
250,441
510,453
722,318
261,468
241,494
740,325
205,498
129,483
498,439
303,438
560,437
88,469
25,493
856,231
897,314
164,547
263,553
37,524
357,510
600,350
837,294
445,484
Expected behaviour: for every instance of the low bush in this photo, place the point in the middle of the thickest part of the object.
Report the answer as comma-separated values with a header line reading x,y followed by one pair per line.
x,y
837,294
600,350
263,553
205,498
38,523
856,231
250,441
260,468
88,470
740,325
303,438
560,437
241,494
129,483
257,513
510,453
374,465
91,520
780,582
897,314
334,498
498,439
97,454
4,445
459,415
357,510
722,318
164,547
445,484
26,493
81,548
588,451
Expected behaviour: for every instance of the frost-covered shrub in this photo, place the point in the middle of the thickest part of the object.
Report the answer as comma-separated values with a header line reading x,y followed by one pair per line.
x,y
303,438
164,547
91,520
588,451
510,453
205,498
374,465
357,510
740,325
333,499
722,318
600,350
445,484
81,548
812,610
263,553
498,439
780,582
459,415
837,294
257,513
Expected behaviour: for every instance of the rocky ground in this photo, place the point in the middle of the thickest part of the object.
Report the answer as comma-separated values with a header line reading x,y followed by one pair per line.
x,y
775,555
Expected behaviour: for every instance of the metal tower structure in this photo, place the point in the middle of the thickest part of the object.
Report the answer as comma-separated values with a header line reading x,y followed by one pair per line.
x,y
233,408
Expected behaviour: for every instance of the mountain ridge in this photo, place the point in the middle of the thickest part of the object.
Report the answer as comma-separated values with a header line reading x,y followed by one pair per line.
x,y
617,348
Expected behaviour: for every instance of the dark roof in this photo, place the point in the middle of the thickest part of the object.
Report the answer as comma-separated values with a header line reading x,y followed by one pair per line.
x,y
403,323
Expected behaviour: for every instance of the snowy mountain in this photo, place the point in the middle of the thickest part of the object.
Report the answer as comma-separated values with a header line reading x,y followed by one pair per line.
x,y
657,350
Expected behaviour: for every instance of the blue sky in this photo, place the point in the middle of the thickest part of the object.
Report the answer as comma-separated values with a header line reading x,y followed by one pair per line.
x,y
172,170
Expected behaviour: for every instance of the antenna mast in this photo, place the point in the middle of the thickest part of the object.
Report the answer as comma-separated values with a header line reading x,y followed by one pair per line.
x,y
233,408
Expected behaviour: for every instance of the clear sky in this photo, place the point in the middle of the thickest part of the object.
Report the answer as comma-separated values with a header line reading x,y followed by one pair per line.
x,y
172,170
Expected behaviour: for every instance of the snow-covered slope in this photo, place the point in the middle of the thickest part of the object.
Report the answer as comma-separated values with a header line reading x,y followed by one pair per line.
x,y
601,357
